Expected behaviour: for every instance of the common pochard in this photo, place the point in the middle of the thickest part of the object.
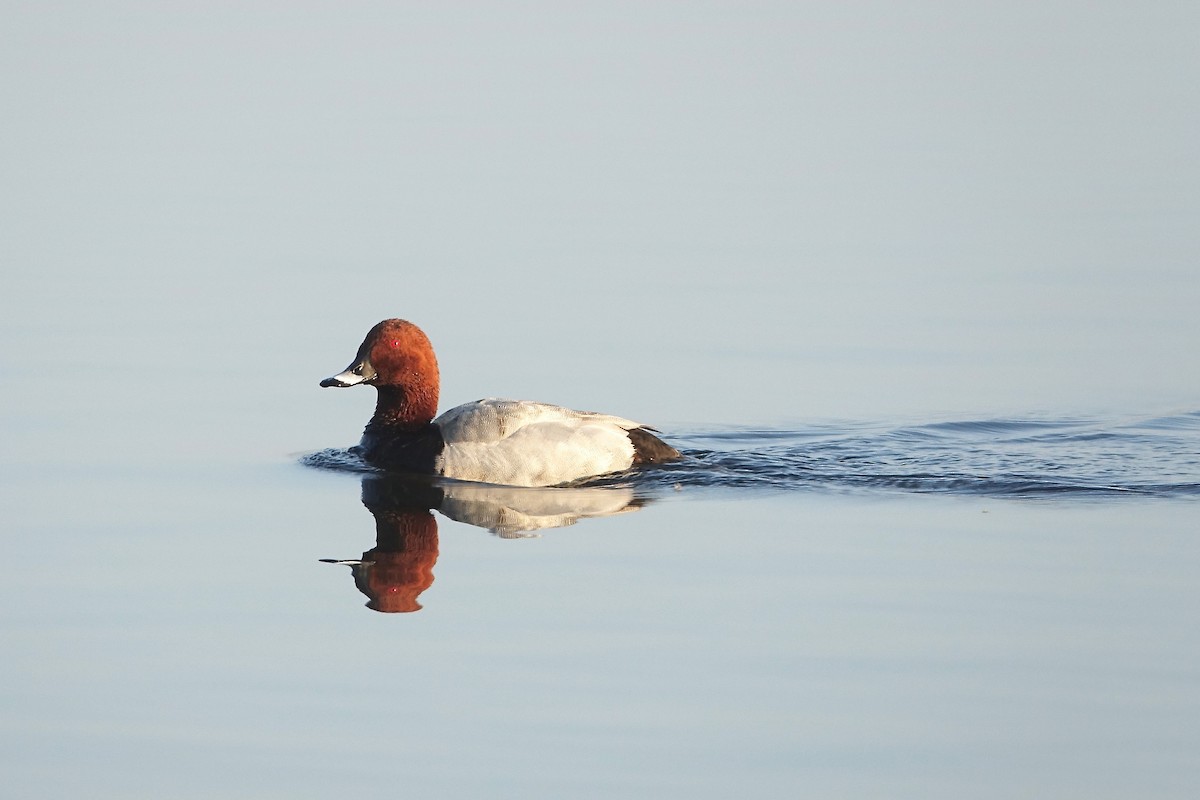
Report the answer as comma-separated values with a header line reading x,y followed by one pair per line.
x,y
511,442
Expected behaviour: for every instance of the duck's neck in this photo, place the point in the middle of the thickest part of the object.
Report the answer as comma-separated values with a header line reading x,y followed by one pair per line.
x,y
401,408
406,531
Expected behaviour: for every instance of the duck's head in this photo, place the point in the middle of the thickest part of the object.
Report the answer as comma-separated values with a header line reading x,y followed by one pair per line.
x,y
395,352
396,358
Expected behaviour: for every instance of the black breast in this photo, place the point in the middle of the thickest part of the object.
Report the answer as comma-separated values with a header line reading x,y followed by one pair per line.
x,y
404,449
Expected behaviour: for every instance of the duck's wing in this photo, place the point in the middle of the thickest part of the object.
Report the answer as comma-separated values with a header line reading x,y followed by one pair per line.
x,y
493,419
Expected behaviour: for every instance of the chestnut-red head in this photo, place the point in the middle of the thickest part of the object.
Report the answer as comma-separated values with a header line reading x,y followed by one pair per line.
x,y
397,359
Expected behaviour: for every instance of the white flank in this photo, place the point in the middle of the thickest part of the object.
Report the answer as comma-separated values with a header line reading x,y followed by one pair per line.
x,y
521,443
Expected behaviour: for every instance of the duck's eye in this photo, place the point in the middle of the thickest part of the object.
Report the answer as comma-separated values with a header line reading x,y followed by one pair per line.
x,y
395,343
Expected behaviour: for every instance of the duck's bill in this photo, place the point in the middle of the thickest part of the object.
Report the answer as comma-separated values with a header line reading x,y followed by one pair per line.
x,y
343,379
356,373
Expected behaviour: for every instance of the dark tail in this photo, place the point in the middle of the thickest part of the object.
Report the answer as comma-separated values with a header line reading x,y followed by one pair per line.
x,y
649,449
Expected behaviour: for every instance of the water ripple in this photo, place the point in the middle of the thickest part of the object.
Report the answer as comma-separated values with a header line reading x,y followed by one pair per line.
x,y
1021,457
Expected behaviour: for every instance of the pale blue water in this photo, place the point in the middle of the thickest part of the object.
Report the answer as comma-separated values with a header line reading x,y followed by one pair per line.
x,y
914,287
1027,457
710,642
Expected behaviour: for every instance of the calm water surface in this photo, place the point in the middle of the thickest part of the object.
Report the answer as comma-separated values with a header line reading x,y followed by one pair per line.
x,y
869,610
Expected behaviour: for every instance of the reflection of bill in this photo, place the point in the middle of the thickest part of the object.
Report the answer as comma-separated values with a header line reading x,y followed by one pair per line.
x,y
400,566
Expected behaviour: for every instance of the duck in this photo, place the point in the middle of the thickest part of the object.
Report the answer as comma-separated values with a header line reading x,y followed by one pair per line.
x,y
493,440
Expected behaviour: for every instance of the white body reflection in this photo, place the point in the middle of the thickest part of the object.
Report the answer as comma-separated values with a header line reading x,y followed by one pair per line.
x,y
515,511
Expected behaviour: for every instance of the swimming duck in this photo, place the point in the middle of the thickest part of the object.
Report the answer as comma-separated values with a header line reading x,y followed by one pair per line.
x,y
511,442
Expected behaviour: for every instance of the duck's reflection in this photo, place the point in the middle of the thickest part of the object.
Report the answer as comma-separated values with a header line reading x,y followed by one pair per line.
x,y
399,567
